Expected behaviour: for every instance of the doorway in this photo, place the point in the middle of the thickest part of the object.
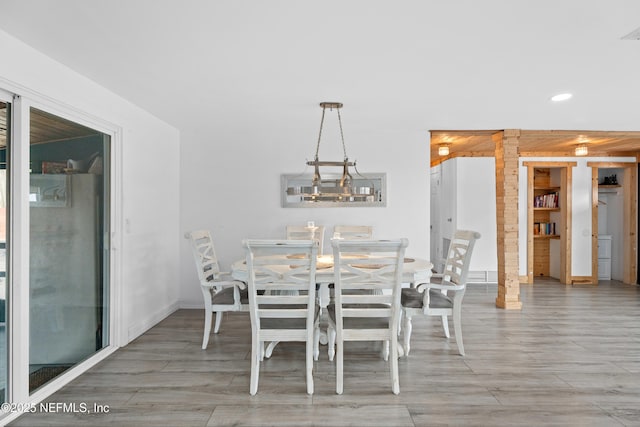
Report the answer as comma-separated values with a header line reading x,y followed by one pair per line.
x,y
614,221
549,224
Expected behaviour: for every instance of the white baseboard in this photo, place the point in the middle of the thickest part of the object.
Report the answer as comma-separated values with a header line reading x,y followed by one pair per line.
x,y
141,327
482,276
191,304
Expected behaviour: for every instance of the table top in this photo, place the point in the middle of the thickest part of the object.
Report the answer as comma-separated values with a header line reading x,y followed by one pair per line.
x,y
414,270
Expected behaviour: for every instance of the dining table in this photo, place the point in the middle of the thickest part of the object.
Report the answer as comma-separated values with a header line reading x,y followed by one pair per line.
x,y
414,272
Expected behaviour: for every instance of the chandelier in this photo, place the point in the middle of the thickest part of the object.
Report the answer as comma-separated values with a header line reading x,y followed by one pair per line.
x,y
345,181
332,188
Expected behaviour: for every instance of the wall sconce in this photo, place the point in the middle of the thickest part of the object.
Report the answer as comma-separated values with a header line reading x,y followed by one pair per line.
x,y
443,149
581,150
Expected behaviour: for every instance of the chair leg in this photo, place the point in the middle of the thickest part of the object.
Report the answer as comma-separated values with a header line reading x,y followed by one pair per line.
x,y
445,326
340,367
310,353
216,328
316,342
269,351
207,328
395,380
331,344
407,333
256,356
457,328
385,350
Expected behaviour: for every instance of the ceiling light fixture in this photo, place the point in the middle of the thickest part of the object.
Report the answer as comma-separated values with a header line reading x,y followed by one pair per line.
x,y
561,97
342,189
345,181
443,149
581,150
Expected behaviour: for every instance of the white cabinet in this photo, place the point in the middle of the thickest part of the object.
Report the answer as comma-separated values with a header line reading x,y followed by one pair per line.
x,y
604,257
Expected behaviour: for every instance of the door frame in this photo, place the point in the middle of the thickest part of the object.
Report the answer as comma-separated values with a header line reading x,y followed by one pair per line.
x,y
18,245
566,177
629,219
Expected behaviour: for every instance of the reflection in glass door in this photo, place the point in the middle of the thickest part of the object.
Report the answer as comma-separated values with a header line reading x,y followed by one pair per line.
x,y
5,120
68,259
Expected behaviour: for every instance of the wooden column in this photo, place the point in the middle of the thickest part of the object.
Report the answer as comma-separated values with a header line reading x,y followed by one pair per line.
x,y
507,154
630,229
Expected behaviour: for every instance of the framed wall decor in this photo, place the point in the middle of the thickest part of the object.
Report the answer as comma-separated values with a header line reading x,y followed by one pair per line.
x,y
299,191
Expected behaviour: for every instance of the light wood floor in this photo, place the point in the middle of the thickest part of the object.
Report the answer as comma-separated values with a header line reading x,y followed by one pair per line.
x,y
571,357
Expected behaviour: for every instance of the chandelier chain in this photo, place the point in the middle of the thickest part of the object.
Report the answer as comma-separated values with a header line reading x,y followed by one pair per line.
x,y
344,147
320,134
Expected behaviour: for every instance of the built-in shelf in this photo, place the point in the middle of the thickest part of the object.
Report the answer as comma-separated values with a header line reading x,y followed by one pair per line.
x,y
546,188
549,220
609,188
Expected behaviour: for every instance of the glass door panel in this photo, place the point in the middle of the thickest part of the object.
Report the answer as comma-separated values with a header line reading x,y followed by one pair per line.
x,y
5,120
68,258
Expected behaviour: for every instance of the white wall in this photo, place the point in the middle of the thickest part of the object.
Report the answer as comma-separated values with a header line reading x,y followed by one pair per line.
x,y
230,184
476,208
581,219
468,197
149,245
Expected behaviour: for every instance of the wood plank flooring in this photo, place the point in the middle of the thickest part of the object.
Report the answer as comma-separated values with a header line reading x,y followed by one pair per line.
x,y
571,357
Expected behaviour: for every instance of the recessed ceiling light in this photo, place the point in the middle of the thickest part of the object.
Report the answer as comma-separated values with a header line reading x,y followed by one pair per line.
x,y
561,97
581,150
443,149
582,139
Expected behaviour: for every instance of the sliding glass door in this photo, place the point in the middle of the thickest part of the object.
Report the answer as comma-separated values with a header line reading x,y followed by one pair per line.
x,y
56,215
68,254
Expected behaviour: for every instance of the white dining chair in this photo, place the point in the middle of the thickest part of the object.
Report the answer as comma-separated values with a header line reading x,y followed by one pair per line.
x,y
221,293
282,299
366,316
305,232
353,232
442,297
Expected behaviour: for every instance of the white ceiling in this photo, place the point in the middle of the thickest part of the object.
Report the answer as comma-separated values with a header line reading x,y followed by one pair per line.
x,y
396,65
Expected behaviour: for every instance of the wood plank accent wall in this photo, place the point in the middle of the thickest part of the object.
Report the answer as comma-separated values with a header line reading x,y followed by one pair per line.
x,y
566,223
631,223
594,223
507,166
540,258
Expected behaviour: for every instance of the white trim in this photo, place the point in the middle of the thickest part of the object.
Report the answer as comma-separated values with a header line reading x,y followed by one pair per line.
x,y
66,111
141,327
6,96
191,304
482,276
58,382
18,250
117,318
